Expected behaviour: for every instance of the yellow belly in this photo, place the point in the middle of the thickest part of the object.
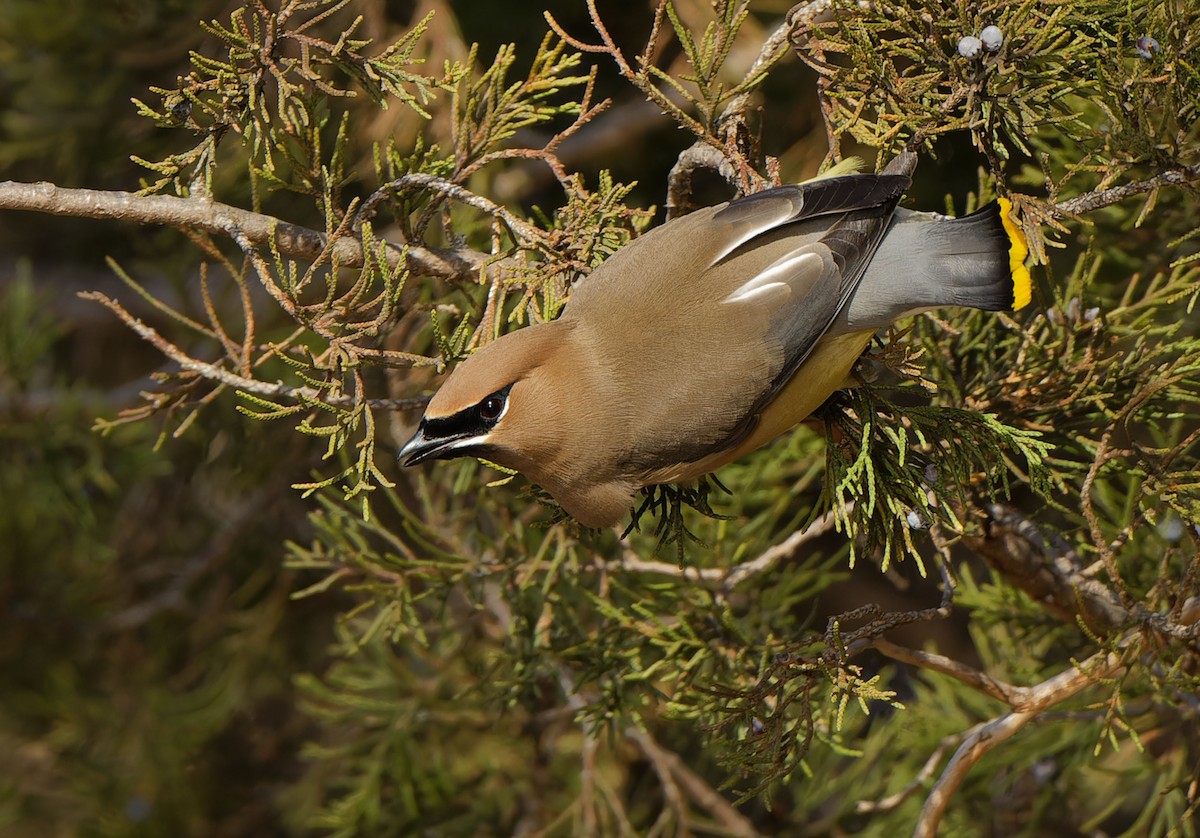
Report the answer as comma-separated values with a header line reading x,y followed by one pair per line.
x,y
825,371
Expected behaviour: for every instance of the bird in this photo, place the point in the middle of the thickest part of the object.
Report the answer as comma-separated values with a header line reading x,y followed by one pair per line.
x,y
712,334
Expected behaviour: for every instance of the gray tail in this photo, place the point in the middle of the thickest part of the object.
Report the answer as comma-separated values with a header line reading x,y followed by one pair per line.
x,y
930,261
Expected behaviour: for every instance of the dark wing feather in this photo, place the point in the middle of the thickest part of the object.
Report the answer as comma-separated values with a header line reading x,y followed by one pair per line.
x,y
762,212
865,205
851,241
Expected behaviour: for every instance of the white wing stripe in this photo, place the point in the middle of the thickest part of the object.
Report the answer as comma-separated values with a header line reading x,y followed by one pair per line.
x,y
774,277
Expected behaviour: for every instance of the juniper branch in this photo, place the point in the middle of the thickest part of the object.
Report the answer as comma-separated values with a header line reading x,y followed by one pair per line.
x,y
519,227
1053,576
1093,201
703,154
291,240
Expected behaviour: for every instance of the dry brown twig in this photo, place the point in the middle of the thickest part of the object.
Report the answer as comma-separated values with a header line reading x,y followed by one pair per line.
x,y
843,645
638,78
216,373
624,125
718,147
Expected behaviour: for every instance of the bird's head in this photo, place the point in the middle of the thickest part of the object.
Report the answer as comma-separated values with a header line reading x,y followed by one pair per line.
x,y
491,405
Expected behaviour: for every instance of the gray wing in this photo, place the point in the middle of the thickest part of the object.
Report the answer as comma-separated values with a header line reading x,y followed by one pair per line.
x,y
762,212
800,268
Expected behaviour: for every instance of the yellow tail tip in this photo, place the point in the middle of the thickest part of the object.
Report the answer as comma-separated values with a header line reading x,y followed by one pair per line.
x,y
1018,250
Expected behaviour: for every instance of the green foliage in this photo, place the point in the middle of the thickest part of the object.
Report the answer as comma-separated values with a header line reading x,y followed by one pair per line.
x,y
1061,66
898,469
503,620
707,57
272,89
488,109
283,137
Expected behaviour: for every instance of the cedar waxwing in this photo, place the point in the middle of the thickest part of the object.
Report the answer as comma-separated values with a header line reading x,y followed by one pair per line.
x,y
711,335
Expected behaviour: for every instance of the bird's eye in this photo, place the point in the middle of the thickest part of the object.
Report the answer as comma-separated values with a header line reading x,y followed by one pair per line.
x,y
491,407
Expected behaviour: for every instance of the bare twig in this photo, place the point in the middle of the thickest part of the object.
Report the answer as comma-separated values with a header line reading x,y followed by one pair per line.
x,y
1104,454
886,804
212,217
847,644
1009,694
638,78
978,741
676,775
1107,197
727,579
621,127
984,737
213,372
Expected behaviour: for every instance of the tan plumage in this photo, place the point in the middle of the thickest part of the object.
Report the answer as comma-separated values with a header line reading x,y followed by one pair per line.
x,y
708,337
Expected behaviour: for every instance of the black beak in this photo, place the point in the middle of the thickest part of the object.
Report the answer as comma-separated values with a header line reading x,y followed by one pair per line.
x,y
421,447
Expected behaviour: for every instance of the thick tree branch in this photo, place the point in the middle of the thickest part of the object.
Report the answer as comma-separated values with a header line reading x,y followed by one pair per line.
x,y
1047,570
1050,572
291,240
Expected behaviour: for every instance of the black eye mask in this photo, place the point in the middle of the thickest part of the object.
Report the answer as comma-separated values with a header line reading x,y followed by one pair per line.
x,y
473,421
